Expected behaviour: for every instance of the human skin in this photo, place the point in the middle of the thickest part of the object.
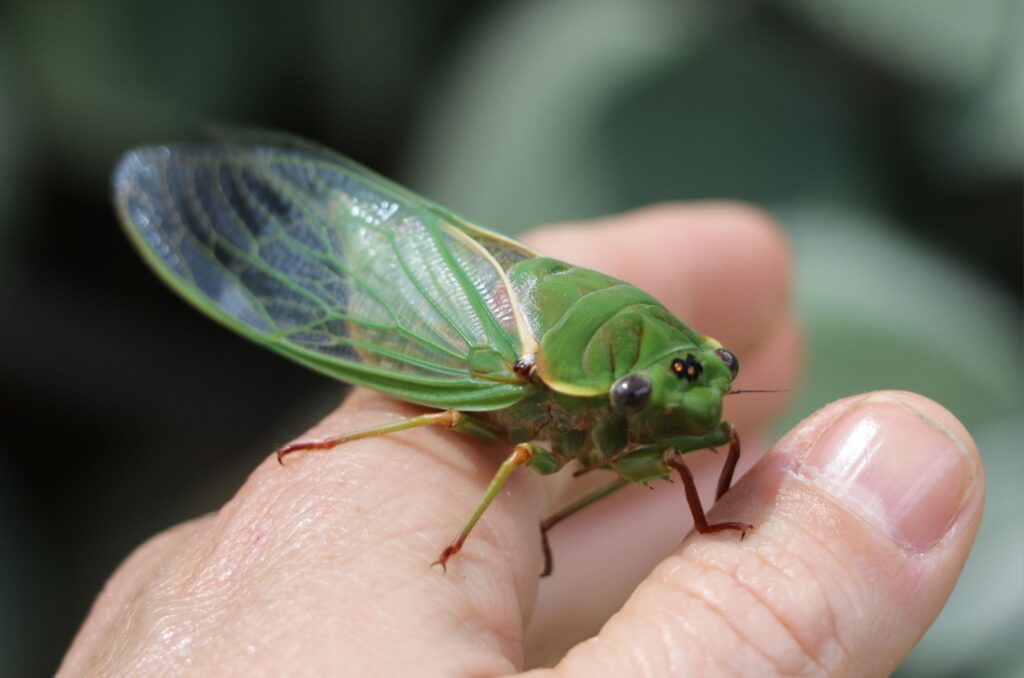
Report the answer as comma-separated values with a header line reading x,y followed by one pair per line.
x,y
864,516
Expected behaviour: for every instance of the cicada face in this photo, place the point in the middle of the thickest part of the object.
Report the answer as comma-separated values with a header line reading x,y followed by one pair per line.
x,y
678,394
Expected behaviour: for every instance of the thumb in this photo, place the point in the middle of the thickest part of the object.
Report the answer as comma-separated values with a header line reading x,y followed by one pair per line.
x,y
864,517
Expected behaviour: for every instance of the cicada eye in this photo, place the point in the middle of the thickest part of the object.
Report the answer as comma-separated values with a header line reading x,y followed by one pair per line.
x,y
731,361
631,393
688,369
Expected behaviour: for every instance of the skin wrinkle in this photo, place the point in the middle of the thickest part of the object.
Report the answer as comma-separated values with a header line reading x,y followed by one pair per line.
x,y
667,642
641,658
836,563
119,642
135,624
825,544
163,610
699,636
825,419
774,613
763,559
131,592
701,595
821,595
669,647
218,562
679,613
154,627
170,624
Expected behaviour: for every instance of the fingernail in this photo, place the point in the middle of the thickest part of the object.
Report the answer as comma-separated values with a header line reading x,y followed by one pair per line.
x,y
896,468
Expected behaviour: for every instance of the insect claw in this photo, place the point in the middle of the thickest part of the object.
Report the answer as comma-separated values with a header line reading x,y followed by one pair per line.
x,y
325,444
283,452
448,552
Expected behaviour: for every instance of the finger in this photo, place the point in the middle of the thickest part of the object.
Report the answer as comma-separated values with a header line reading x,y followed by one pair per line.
x,y
322,566
107,628
864,517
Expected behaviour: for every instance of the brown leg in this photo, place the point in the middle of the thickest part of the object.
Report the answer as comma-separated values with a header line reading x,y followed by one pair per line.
x,y
700,521
725,478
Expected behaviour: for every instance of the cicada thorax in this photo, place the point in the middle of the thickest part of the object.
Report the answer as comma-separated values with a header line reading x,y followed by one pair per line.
x,y
593,330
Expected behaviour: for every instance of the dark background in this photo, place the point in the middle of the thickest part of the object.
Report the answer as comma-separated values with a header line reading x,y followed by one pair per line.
x,y
893,135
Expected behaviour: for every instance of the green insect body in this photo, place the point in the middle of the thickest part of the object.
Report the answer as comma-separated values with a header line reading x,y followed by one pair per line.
x,y
330,264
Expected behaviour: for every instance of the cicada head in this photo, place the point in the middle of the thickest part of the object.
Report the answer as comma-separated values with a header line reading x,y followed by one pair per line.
x,y
679,393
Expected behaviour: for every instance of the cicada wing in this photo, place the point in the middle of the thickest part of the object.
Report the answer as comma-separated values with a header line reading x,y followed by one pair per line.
x,y
331,265
506,251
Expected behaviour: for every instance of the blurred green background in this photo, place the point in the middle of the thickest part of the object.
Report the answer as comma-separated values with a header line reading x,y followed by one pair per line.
x,y
885,136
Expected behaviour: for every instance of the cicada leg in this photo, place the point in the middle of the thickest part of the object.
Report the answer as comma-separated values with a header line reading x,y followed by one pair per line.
x,y
523,454
700,521
725,477
451,419
725,433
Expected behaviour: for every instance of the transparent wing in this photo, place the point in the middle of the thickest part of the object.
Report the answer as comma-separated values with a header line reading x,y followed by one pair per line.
x,y
506,251
332,265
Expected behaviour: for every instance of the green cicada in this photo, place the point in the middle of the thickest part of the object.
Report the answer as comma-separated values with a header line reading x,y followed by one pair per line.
x,y
334,266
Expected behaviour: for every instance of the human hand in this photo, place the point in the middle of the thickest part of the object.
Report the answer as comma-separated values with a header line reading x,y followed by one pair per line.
x,y
864,515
